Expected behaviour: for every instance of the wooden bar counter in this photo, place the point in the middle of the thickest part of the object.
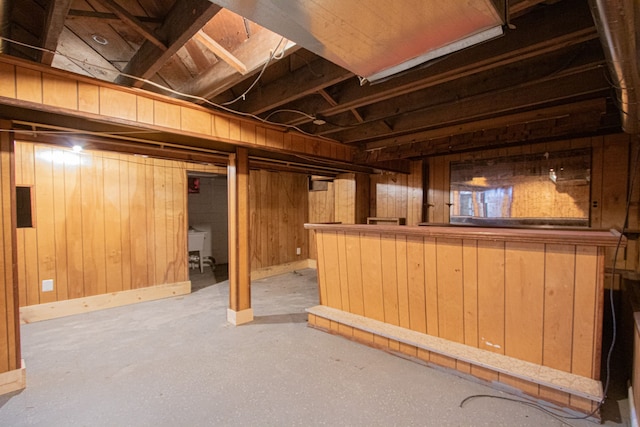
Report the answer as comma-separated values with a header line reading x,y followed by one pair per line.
x,y
519,308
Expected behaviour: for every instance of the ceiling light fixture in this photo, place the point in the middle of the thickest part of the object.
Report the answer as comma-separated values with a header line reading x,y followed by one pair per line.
x,y
318,121
99,39
76,148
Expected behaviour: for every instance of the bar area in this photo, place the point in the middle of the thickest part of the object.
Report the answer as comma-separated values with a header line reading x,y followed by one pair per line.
x,y
521,309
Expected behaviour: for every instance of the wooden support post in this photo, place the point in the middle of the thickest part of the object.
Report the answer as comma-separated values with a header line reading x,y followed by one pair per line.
x,y
240,310
11,369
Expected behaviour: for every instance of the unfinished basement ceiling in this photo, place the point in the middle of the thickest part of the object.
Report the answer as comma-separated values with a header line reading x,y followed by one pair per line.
x,y
544,79
376,38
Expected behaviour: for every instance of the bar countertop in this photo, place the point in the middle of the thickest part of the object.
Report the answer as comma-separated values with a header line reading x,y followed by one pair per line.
x,y
533,235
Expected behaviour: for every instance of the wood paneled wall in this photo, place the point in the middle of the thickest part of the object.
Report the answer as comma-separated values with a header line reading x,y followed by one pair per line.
x,y
609,175
9,332
278,203
42,88
396,195
346,201
532,301
399,195
104,222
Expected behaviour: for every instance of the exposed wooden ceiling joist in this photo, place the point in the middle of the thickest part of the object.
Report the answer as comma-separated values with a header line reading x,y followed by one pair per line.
x,y
528,95
549,66
536,34
221,52
596,106
132,21
301,82
220,77
54,25
106,16
184,20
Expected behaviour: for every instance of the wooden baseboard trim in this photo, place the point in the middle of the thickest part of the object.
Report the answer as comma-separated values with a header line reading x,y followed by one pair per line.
x,y
53,310
13,380
274,270
542,375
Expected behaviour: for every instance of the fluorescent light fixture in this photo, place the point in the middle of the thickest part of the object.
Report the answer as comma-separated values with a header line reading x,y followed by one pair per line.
x,y
445,50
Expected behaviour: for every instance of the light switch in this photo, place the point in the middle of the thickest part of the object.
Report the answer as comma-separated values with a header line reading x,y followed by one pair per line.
x,y
47,285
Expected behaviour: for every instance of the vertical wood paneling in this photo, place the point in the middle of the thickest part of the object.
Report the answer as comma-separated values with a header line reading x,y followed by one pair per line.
x,y
94,266
389,259
73,222
59,92
331,270
112,221
524,306
450,292
96,222
125,222
584,310
60,231
7,80
159,219
354,273
138,221
558,315
46,245
372,276
431,286
279,209
28,85
416,284
322,282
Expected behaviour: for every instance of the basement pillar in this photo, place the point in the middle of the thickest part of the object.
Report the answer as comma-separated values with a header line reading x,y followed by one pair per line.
x,y
12,373
240,310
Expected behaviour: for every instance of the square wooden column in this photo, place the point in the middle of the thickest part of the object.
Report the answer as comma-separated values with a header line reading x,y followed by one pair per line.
x,y
12,373
240,310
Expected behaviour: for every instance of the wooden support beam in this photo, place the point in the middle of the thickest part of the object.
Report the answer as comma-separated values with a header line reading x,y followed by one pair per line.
x,y
221,52
575,123
239,259
254,53
106,16
10,359
184,20
304,81
524,96
57,13
132,21
593,105
548,30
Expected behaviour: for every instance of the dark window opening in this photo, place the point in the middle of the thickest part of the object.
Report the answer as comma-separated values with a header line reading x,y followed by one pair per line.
x,y
23,206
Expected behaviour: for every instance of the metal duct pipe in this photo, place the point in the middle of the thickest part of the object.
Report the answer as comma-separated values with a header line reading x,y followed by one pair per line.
x,y
615,22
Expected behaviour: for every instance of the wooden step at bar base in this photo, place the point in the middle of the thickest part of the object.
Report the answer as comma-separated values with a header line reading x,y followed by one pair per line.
x,y
553,378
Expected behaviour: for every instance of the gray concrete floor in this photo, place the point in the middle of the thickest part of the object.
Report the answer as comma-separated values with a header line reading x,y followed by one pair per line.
x,y
176,362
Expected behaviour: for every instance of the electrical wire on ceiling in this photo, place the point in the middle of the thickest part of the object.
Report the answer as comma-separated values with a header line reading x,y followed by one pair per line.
x,y
264,67
222,107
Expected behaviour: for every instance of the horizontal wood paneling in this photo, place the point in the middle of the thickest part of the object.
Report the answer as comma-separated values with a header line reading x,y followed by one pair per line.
x,y
534,301
104,222
46,89
278,203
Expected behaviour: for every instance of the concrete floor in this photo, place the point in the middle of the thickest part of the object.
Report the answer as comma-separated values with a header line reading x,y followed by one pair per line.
x,y
176,362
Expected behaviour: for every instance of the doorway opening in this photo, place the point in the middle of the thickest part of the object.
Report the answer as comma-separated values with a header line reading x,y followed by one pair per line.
x,y
207,232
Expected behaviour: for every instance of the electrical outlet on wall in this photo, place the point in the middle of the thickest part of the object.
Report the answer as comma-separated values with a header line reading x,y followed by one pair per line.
x,y
298,251
47,285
